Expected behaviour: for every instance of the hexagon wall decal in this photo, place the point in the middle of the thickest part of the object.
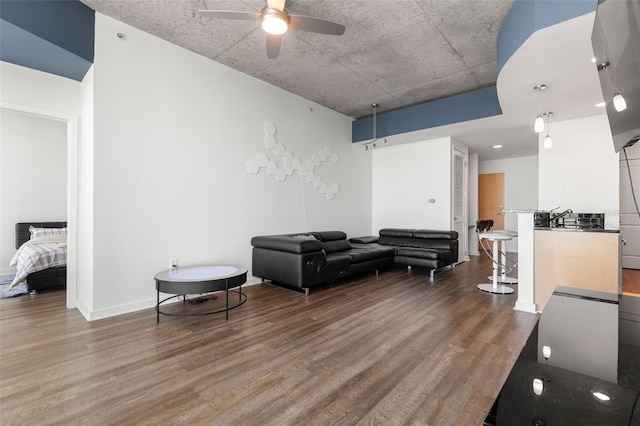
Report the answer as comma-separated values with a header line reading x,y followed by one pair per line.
x,y
286,163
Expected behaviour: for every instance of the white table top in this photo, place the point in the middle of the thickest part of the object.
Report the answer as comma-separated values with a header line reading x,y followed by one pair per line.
x,y
199,273
494,236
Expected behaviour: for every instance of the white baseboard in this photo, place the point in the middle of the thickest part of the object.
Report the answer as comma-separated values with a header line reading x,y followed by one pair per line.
x,y
92,315
526,307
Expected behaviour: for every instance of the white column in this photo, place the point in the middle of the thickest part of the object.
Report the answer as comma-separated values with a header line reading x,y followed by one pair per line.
x,y
525,300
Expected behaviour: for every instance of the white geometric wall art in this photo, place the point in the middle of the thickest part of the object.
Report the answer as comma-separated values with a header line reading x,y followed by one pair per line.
x,y
281,163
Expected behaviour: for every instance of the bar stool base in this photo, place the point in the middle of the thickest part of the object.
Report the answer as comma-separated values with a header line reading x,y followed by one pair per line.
x,y
499,289
505,280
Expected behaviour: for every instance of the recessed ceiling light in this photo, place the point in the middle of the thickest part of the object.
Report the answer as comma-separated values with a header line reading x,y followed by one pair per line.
x,y
593,59
601,104
497,146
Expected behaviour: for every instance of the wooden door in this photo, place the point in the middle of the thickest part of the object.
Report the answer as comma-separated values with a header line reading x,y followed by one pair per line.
x,y
491,198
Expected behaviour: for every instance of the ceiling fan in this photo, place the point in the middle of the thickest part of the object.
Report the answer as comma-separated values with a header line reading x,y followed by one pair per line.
x,y
276,21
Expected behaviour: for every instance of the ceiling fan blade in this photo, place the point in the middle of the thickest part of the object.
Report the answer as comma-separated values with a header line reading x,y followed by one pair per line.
x,y
276,4
273,45
230,14
315,25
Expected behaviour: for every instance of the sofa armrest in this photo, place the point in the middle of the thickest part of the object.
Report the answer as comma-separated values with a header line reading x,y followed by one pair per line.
x,y
287,243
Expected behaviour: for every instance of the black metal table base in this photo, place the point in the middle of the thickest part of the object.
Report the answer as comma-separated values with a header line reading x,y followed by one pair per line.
x,y
241,299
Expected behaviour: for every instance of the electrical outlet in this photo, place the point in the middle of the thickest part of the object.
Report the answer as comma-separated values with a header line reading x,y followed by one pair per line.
x,y
173,263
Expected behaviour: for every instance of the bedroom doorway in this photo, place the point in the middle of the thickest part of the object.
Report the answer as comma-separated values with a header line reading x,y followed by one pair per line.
x,y
70,122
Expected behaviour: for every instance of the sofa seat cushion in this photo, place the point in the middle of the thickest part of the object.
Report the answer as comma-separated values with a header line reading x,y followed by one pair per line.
x,y
431,254
364,240
366,252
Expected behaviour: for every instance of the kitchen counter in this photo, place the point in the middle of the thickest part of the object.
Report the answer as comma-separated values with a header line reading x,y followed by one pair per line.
x,y
594,344
563,229
587,259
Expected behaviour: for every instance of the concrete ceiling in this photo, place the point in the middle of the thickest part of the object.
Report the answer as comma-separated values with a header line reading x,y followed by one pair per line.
x,y
393,53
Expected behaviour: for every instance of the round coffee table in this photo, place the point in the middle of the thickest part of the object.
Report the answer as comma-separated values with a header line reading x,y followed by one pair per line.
x,y
198,280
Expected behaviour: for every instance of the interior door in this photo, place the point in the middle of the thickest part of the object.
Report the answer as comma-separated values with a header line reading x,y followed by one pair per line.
x,y
460,203
491,198
629,221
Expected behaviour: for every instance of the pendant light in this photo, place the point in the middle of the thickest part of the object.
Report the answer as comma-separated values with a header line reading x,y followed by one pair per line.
x,y
618,102
548,143
538,124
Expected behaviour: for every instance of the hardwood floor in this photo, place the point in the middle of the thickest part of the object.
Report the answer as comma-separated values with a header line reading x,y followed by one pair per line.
x,y
391,349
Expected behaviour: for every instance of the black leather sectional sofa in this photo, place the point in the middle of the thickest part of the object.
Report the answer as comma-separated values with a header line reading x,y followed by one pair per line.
x,y
305,260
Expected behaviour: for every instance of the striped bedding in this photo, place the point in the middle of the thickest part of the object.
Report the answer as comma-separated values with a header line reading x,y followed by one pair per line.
x,y
37,254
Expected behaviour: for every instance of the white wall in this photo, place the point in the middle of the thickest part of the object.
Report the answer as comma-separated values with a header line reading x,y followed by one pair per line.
x,y
85,254
520,187
404,178
33,167
172,135
581,170
38,89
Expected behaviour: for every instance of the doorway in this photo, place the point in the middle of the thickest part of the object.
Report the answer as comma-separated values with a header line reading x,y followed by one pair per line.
x,y
460,179
71,122
491,198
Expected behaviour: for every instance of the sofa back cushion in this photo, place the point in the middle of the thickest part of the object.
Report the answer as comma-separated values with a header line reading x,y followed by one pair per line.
x,y
333,241
417,242
336,245
435,234
396,232
329,235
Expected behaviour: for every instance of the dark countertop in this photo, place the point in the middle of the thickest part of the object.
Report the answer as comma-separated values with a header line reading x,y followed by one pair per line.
x,y
594,341
562,229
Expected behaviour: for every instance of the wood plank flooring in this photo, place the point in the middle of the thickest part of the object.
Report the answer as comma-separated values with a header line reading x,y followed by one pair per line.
x,y
391,349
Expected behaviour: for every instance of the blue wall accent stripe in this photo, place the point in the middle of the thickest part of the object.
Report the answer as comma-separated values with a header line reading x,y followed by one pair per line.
x,y
528,16
31,51
525,18
53,36
69,24
454,109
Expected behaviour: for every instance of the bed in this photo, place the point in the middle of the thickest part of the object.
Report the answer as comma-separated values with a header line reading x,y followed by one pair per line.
x,y
40,274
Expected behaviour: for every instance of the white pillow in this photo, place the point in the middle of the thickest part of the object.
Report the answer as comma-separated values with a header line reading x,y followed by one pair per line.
x,y
39,232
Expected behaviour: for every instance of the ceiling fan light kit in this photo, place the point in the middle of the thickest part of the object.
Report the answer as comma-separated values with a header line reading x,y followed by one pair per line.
x,y
275,21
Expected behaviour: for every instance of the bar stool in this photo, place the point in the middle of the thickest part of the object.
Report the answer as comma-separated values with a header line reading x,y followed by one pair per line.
x,y
495,238
504,268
